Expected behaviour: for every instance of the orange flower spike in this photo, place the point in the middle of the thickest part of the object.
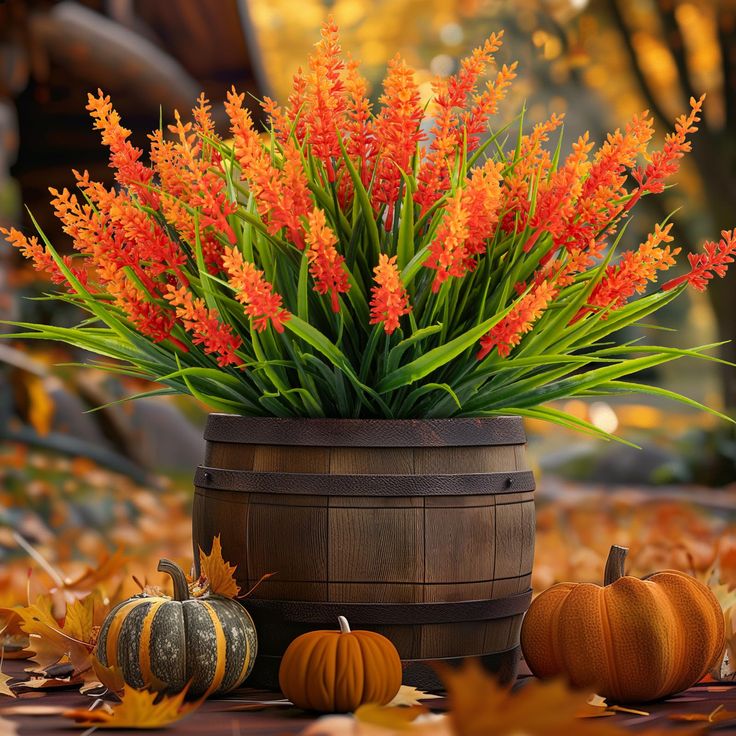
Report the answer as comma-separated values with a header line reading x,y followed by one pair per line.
x,y
282,195
633,271
325,101
533,162
202,114
486,104
508,333
397,131
205,324
360,143
390,300
124,157
325,264
447,253
556,206
447,132
464,83
663,164
34,251
482,199
713,262
252,290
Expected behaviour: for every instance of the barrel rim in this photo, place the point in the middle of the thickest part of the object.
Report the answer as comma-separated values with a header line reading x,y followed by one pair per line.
x,y
306,432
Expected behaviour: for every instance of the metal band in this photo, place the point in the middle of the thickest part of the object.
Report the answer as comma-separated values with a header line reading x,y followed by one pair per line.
x,y
478,432
385,614
396,486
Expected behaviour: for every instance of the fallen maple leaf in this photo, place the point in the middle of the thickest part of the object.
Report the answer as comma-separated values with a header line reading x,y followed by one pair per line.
x,y
408,695
480,706
79,619
110,677
217,572
49,641
388,716
137,709
5,679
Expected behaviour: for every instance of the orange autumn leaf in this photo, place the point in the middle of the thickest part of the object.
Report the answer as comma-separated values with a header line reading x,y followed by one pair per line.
x,y
79,619
480,706
102,572
137,709
49,641
219,574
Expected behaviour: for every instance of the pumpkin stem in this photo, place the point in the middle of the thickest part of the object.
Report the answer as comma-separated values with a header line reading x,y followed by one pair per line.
x,y
615,564
344,625
181,589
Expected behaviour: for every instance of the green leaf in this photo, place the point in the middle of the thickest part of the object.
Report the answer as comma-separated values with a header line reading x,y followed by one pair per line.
x,y
439,356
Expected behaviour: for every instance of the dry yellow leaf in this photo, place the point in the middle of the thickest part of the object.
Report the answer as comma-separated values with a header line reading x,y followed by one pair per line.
x,y
219,574
47,639
79,618
137,709
409,695
110,677
4,680
480,706
394,718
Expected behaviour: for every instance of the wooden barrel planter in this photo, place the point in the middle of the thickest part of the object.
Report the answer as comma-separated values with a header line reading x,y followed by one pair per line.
x,y
421,530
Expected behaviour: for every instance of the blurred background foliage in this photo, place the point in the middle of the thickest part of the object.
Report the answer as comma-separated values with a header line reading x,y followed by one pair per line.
x,y
598,61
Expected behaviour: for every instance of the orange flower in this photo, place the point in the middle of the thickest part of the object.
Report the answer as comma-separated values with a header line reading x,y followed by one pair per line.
x,y
471,216
205,324
447,132
282,195
397,132
325,264
187,174
703,266
486,104
533,163
633,271
663,164
325,102
254,292
42,260
447,253
360,143
390,300
124,157
508,332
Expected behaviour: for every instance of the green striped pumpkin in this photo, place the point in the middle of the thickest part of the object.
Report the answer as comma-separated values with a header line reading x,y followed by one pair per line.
x,y
164,643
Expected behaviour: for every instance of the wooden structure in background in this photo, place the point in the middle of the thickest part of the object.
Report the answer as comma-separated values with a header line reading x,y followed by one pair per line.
x,y
151,57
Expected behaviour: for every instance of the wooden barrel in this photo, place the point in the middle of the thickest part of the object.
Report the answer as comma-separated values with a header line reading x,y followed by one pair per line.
x,y
421,530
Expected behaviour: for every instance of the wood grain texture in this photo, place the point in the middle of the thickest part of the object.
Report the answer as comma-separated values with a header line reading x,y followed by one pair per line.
x,y
361,548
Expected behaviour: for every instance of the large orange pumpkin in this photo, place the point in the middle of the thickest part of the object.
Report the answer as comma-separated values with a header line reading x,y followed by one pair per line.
x,y
633,640
338,671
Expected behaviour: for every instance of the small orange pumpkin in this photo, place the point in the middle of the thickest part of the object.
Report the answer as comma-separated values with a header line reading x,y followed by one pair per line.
x,y
633,640
338,671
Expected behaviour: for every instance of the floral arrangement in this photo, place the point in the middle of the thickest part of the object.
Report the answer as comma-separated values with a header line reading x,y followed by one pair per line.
x,y
361,260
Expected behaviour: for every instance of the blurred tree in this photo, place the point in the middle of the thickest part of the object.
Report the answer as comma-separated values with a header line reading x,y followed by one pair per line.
x,y
667,51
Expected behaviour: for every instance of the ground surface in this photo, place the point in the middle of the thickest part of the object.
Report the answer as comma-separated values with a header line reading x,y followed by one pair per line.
x,y
240,713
